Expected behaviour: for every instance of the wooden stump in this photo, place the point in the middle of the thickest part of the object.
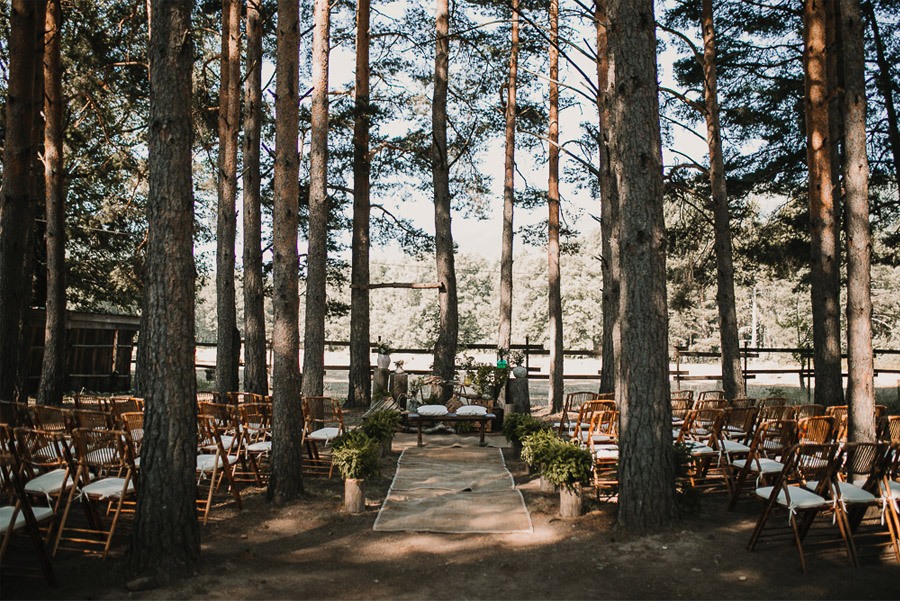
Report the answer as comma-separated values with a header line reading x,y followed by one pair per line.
x,y
570,501
517,395
355,495
399,385
380,380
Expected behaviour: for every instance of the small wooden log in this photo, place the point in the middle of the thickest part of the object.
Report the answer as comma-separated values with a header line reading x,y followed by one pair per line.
x,y
517,395
570,501
355,495
399,385
380,378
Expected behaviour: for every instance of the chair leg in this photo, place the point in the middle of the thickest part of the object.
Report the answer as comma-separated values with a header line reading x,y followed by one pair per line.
x,y
798,540
65,516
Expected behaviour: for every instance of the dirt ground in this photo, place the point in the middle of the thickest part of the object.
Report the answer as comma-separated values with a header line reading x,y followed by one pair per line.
x,y
312,549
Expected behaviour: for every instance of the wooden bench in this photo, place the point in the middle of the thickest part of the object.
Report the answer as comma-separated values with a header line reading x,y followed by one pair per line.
x,y
419,420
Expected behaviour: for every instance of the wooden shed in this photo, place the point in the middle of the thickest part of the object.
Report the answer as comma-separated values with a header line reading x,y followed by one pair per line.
x,y
99,350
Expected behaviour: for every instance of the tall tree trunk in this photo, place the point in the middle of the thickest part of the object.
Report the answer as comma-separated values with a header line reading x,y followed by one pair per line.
x,y
504,335
609,211
732,382
255,376
360,392
885,87
53,368
554,293
860,385
286,480
16,199
448,329
646,466
316,258
166,537
228,339
824,257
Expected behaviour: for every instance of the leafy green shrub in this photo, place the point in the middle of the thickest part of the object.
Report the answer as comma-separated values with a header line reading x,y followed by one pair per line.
x,y
380,425
537,446
519,425
567,464
356,455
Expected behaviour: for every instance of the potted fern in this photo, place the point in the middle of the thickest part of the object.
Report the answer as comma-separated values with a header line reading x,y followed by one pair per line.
x,y
356,457
380,426
568,465
537,448
519,425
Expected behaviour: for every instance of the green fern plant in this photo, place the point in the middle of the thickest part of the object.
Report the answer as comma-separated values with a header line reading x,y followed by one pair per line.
x,y
567,464
538,446
380,425
355,455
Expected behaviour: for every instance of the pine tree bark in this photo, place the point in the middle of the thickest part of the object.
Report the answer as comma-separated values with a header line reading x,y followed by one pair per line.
x,y
227,337
360,393
165,540
646,466
609,211
53,367
314,333
448,329
256,378
824,256
504,334
286,480
885,88
861,382
16,200
732,380
554,292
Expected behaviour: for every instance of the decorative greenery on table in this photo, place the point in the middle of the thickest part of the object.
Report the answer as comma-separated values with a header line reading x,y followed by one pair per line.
x,y
486,379
383,347
567,464
356,455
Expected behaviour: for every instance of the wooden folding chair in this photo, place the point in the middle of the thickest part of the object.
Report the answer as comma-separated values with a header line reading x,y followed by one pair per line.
x,y
579,430
603,442
803,488
255,430
839,413
92,420
126,405
104,480
701,433
228,421
808,410
571,406
710,395
738,425
763,459
19,515
214,465
46,465
323,422
133,426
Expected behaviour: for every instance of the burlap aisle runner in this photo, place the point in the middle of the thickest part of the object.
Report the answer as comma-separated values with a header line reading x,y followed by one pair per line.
x,y
453,489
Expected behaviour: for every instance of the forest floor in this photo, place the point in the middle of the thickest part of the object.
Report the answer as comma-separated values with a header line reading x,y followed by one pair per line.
x,y
313,549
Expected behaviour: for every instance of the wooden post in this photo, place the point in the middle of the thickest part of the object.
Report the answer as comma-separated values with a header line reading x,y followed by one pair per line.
x,y
517,395
570,501
399,384
355,495
380,382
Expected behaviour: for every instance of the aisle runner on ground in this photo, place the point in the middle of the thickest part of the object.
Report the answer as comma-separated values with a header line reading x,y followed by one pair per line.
x,y
453,489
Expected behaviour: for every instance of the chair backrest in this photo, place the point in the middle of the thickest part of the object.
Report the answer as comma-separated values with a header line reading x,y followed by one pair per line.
x,y
605,426
680,407
322,412
743,402
710,404
133,425
839,413
101,451
40,451
209,437
893,429
702,425
207,396
773,438
92,401
52,419
255,421
739,422
811,462
587,410
818,429
87,418
772,400
708,395
808,410
685,395
864,463
126,405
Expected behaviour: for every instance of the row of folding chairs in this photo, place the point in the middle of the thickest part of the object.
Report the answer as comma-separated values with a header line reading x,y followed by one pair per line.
x,y
233,398
833,486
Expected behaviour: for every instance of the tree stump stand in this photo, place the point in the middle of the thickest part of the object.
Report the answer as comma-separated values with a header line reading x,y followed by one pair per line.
x,y
380,381
355,495
517,395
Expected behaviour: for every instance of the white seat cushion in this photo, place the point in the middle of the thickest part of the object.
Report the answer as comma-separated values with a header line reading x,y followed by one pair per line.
x,y
107,488
471,410
801,498
762,465
6,513
325,434
207,462
606,452
732,446
47,484
850,493
263,446
432,410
